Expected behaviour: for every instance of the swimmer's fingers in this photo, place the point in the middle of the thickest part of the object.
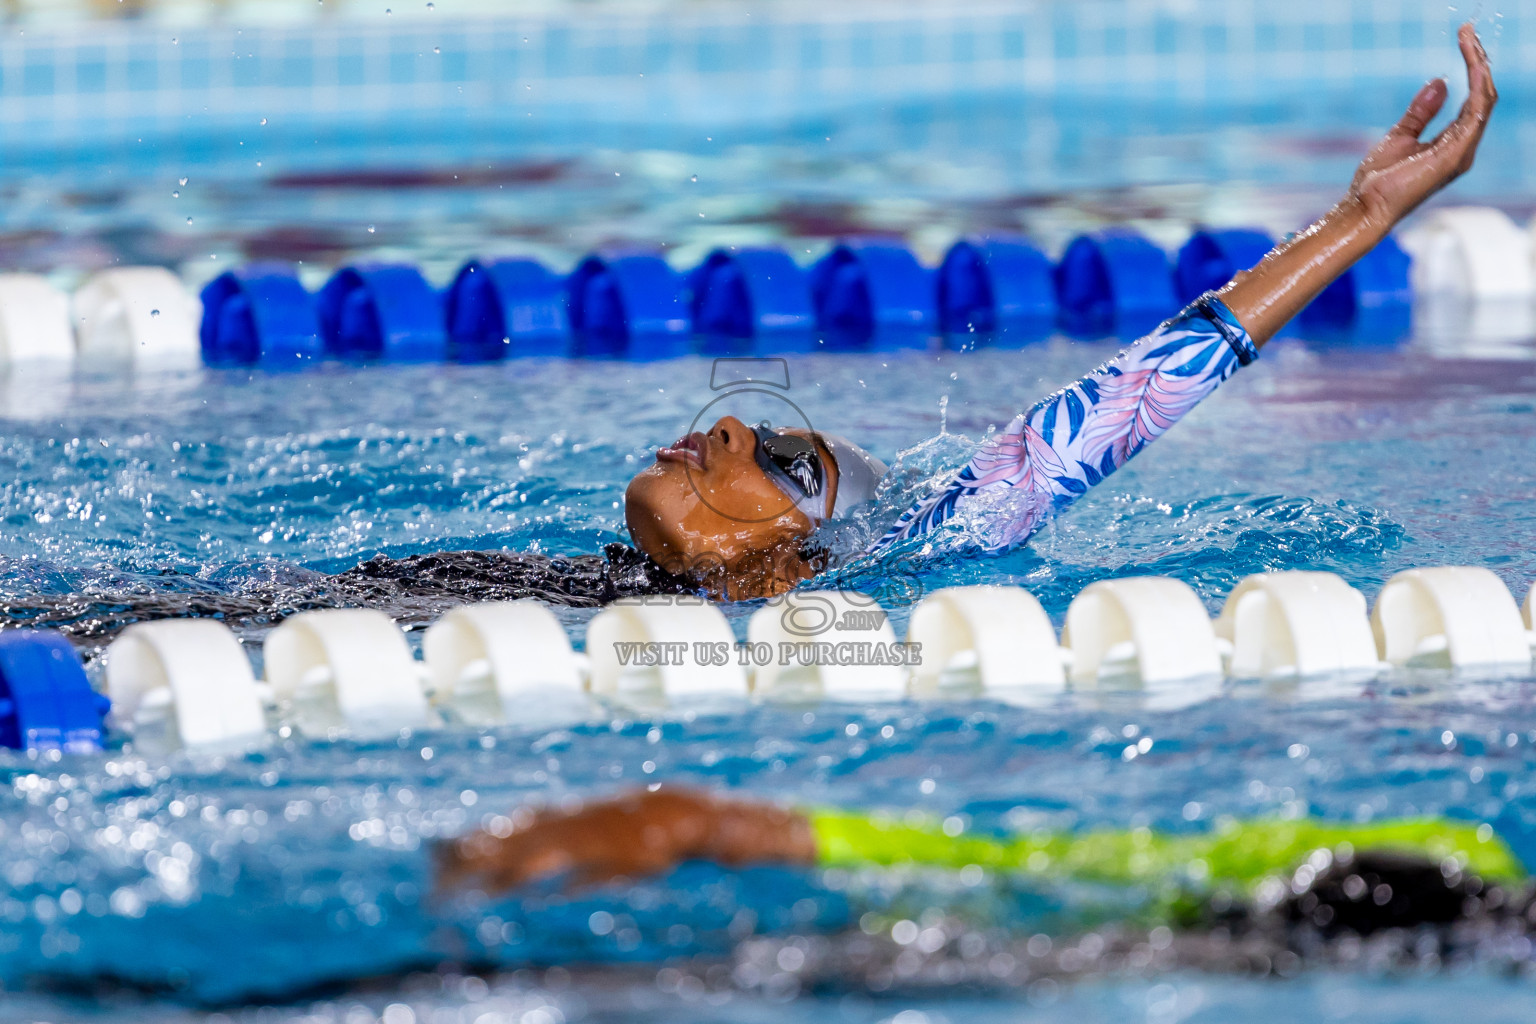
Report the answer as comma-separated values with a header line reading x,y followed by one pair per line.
x,y
1482,92
1421,111
1457,145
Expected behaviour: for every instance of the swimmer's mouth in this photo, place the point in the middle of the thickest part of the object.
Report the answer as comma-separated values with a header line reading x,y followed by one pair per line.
x,y
687,450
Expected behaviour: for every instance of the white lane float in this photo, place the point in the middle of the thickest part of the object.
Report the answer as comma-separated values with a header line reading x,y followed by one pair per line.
x,y
1449,617
672,646
184,682
34,321
1144,629
995,638
837,645
1475,252
136,315
503,661
1295,623
346,668
187,682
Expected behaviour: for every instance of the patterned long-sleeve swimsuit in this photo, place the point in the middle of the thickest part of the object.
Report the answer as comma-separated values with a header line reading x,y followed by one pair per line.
x,y
1048,457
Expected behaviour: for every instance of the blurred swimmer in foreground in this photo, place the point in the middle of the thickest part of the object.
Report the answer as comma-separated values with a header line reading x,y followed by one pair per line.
x,y
1271,896
732,508
1414,882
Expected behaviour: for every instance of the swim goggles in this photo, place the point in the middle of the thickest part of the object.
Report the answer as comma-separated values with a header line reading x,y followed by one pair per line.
x,y
795,466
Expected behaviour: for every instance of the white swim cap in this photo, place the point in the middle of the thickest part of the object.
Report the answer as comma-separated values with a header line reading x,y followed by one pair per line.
x,y
858,472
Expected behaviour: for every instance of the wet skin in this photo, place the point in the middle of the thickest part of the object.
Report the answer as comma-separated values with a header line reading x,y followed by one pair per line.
x,y
631,836
707,509
1393,180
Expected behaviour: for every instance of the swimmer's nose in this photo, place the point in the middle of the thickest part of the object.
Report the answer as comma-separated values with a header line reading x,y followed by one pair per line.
x,y
733,435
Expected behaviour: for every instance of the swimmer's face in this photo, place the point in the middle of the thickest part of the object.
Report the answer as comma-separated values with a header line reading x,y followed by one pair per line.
x,y
706,503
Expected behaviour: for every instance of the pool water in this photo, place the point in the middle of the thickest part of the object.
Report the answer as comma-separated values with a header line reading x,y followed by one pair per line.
x,y
300,875
307,865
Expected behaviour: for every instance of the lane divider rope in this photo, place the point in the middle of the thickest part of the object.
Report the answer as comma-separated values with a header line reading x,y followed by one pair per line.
x,y
863,295
188,682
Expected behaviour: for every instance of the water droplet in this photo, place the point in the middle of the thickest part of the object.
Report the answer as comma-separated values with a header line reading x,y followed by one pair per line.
x,y
189,220
183,181
263,120
437,49
176,193
695,177
154,313
370,229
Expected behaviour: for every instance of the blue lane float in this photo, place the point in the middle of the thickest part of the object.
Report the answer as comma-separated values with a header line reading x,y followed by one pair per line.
x,y
1114,281
259,314
864,294
628,306
387,312
1211,257
1372,301
751,300
507,308
873,294
995,285
46,701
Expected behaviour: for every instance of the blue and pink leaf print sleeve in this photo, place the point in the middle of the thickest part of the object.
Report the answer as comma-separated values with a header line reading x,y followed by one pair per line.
x,y
1046,458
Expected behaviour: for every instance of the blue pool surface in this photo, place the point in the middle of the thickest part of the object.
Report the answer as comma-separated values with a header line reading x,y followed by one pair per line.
x,y
318,855
300,876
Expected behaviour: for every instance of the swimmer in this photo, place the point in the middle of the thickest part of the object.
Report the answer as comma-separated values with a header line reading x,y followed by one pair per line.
x,y
648,833
1351,894
731,510
733,507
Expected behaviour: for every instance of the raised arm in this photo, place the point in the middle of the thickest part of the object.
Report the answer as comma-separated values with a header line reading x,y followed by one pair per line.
x,y
1400,173
1070,441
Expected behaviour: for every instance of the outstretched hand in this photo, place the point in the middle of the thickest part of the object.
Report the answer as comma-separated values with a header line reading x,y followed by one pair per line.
x,y
1402,171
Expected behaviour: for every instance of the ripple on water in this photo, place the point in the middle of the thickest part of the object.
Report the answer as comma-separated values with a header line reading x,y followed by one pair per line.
x,y
318,855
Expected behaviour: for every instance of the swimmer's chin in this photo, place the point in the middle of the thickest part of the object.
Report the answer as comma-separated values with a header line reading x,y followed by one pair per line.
x,y
727,559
